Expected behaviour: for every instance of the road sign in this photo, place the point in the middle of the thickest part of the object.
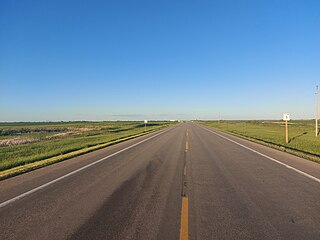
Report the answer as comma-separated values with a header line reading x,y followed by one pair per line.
x,y
145,121
286,117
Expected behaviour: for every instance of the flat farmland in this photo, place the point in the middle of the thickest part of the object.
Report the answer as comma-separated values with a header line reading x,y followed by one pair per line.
x,y
25,143
301,133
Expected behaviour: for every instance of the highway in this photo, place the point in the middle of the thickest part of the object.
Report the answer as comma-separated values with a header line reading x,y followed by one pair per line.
x,y
184,182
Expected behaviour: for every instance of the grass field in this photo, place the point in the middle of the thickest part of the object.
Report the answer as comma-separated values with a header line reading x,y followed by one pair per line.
x,y
23,143
301,133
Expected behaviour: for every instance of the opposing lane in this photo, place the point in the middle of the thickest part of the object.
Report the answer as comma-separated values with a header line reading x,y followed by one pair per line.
x,y
129,196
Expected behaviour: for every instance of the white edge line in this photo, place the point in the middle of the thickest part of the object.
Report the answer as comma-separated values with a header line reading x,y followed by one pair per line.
x,y
5,203
266,156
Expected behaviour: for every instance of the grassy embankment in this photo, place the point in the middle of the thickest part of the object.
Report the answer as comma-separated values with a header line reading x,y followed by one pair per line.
x,y
302,140
27,146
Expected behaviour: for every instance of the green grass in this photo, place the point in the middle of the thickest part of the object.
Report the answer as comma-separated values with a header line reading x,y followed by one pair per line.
x,y
301,133
55,139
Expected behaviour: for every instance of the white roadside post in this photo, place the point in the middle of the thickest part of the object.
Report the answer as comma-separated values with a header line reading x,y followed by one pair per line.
x,y
145,125
286,118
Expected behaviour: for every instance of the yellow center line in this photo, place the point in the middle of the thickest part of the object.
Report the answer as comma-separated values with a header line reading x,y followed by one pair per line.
x,y
184,231
187,144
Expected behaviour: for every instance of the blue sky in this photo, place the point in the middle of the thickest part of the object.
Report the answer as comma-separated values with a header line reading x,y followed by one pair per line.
x,y
108,60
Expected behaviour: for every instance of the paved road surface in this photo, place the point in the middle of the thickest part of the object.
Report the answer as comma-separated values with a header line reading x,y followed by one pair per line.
x,y
184,182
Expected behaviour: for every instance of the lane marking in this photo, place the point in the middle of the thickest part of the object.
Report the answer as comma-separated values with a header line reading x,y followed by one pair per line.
x,y
266,156
184,231
5,203
187,144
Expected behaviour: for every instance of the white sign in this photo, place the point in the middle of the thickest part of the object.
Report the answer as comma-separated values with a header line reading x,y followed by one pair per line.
x,y
286,117
145,121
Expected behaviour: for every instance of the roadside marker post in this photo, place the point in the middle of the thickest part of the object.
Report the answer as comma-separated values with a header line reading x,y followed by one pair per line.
x,y
145,125
286,118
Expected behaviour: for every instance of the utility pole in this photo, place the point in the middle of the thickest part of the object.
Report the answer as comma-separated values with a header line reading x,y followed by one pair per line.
x,y
317,110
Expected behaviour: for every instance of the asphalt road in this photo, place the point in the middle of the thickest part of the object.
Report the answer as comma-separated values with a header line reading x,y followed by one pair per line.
x,y
184,182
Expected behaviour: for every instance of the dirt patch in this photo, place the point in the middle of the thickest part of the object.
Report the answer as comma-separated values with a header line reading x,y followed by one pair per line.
x,y
17,141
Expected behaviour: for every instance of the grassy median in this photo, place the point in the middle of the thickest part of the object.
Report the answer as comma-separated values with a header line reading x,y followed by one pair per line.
x,y
301,133
26,143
